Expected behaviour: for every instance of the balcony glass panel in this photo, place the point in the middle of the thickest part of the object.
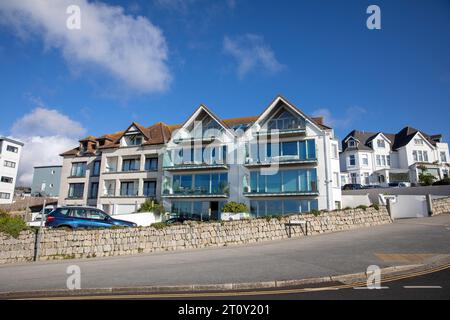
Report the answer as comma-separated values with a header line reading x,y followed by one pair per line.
x,y
290,181
301,180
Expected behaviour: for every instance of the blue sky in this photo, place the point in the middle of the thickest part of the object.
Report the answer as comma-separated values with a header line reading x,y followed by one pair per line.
x,y
232,55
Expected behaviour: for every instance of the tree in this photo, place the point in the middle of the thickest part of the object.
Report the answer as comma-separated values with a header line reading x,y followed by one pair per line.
x,y
425,178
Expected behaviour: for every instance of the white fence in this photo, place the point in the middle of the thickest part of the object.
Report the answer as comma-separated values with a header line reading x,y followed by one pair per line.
x,y
353,201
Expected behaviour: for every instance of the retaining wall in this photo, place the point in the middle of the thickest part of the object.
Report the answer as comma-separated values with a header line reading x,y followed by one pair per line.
x,y
63,244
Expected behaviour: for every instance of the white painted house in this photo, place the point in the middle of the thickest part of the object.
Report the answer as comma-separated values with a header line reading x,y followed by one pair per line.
x,y
378,158
10,150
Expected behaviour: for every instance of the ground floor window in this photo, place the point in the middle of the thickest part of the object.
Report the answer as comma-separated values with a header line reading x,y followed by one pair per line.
x,y
261,208
4,195
199,210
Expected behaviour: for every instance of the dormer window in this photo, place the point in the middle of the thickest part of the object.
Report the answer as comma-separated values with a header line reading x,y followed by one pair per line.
x,y
381,143
418,142
132,140
352,143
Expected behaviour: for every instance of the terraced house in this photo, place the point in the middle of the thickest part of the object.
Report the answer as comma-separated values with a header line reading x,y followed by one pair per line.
x,y
380,158
279,162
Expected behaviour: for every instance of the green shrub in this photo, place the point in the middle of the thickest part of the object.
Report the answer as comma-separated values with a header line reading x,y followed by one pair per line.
x,y
159,225
315,212
235,207
151,205
443,182
362,207
376,206
11,225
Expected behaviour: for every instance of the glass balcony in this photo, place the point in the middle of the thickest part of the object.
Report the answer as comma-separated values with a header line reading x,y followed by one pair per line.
x,y
199,185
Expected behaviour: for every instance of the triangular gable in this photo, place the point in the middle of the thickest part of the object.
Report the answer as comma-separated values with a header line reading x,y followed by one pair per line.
x,y
133,128
279,100
423,138
209,113
382,135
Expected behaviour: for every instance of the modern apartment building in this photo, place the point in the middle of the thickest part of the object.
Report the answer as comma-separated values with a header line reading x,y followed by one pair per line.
x,y
10,150
379,158
46,180
279,162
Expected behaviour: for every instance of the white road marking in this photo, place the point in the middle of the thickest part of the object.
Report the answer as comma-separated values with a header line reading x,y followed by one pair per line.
x,y
375,288
422,287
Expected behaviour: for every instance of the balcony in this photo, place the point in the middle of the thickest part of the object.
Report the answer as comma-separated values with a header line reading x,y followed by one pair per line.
x,y
280,160
312,192
197,192
194,165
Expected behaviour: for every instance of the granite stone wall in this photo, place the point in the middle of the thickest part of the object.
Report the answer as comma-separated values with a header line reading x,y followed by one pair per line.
x,y
440,206
66,244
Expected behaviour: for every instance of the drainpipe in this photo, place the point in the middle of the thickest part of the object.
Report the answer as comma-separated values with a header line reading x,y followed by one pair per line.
x,y
327,168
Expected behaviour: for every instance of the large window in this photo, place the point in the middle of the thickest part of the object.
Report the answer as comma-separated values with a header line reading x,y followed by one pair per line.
x,y
94,190
289,148
128,189
5,195
150,188
378,160
9,164
443,156
209,183
365,159
301,180
76,190
151,164
7,179
130,165
284,121
12,148
96,168
352,160
78,169
261,208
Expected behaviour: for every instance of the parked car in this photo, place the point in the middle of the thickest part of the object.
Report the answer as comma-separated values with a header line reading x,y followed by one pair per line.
x,y
399,184
181,219
83,217
352,186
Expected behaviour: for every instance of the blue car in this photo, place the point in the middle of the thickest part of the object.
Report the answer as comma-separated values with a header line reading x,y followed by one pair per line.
x,y
83,217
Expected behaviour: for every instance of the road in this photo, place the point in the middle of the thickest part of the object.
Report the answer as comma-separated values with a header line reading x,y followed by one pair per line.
x,y
403,242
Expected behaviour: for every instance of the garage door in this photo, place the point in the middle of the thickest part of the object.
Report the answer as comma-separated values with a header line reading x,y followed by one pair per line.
x,y
409,207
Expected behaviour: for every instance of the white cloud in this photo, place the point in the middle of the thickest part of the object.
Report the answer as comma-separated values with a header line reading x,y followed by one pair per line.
x,y
46,134
251,52
349,116
131,49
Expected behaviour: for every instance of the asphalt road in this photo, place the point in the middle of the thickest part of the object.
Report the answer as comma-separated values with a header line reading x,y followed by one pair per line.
x,y
404,242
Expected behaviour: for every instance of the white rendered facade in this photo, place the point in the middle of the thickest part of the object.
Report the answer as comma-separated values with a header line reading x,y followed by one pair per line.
x,y
10,151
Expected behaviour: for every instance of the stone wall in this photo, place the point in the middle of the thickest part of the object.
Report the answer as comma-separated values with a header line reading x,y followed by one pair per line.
x,y
63,244
440,206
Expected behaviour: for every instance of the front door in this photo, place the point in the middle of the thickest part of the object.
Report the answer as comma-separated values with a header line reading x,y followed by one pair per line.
x,y
214,206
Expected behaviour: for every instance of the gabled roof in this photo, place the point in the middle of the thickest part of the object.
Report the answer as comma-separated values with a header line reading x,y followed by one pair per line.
x,y
396,140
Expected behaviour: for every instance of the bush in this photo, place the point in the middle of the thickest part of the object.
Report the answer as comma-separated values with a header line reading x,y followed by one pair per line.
x,y
235,207
376,206
443,182
315,212
362,207
11,225
159,225
151,205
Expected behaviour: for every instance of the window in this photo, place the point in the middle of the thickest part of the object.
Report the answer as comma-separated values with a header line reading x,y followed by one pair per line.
x,y
351,143
365,160
95,214
96,168
7,179
151,164
418,141
353,177
388,160
352,160
336,179
420,156
425,156
335,151
4,195
366,178
289,148
414,155
301,180
9,164
150,188
383,160
380,143
12,148
378,160
445,173
261,208
127,189
130,165
94,190
78,169
135,140
443,156
76,190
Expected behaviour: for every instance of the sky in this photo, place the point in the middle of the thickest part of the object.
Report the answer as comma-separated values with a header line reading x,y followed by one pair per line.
x,y
157,60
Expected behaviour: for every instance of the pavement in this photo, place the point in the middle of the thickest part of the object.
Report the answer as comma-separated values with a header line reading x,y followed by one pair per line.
x,y
404,243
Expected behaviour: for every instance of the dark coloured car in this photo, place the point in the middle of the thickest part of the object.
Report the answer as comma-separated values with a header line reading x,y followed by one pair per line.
x,y
83,217
352,186
181,219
